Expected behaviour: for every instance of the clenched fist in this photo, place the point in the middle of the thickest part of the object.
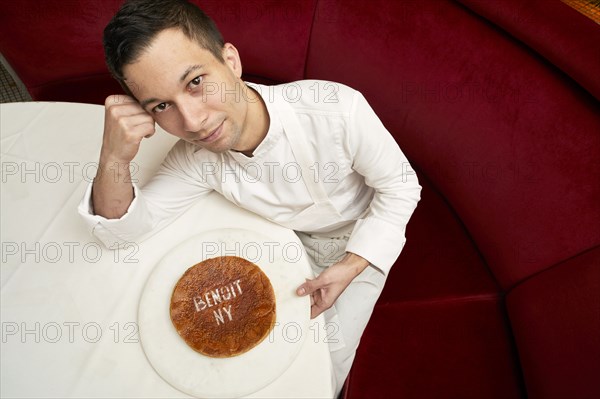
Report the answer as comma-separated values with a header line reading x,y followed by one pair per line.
x,y
126,123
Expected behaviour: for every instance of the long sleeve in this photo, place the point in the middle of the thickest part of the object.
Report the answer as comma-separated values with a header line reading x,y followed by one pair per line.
x,y
173,189
380,236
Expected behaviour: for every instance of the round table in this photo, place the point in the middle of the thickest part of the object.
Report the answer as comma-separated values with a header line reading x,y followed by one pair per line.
x,y
68,304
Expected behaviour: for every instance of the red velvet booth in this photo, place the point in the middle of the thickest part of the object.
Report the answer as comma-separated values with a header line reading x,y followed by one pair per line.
x,y
496,104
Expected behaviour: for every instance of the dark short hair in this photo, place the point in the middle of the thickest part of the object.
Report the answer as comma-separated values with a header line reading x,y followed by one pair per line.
x,y
137,22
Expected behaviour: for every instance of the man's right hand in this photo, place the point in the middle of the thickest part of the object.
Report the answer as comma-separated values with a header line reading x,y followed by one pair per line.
x,y
126,123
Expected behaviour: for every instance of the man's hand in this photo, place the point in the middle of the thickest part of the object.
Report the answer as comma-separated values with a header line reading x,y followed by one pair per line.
x,y
125,126
329,285
126,123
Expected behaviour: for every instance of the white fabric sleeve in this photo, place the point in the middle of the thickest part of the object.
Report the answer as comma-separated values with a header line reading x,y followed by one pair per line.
x,y
175,187
379,236
115,233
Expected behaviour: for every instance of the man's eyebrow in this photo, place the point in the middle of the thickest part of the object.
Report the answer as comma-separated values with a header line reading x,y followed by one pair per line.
x,y
189,70
145,103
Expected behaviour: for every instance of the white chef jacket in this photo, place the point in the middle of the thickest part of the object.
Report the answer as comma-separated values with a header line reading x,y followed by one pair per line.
x,y
356,160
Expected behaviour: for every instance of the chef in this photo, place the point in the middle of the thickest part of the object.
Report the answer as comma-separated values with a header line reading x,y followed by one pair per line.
x,y
309,155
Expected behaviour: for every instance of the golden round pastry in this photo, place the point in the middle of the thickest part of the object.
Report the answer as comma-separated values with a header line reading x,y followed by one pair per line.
x,y
223,306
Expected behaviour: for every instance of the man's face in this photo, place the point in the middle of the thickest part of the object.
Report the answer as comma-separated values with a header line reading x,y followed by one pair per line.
x,y
190,93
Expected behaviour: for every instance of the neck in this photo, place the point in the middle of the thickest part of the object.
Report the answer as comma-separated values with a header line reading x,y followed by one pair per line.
x,y
257,125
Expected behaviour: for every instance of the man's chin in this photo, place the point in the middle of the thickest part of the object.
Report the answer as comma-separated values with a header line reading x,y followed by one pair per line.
x,y
217,149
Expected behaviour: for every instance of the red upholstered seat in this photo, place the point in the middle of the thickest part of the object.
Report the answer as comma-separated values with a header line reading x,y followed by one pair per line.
x,y
496,103
440,327
555,317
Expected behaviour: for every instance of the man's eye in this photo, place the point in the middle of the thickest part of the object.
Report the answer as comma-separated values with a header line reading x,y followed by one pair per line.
x,y
195,82
160,107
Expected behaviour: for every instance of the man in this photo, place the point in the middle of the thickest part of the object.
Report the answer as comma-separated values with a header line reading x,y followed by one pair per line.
x,y
356,191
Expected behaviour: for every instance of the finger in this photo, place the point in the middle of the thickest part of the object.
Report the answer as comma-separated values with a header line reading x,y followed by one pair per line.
x,y
317,309
136,127
145,130
117,99
153,130
308,287
321,303
149,130
127,109
136,120
301,290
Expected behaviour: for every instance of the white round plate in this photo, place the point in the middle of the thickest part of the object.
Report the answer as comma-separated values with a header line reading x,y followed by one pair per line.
x,y
195,374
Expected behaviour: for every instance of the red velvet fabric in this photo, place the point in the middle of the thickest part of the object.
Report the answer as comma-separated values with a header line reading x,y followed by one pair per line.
x,y
556,31
439,285
556,322
439,261
56,42
437,349
272,36
494,128
86,89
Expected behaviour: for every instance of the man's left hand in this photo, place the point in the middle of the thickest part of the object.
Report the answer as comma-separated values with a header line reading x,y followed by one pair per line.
x,y
329,285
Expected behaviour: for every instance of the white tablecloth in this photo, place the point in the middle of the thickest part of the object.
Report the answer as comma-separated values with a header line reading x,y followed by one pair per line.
x,y
68,305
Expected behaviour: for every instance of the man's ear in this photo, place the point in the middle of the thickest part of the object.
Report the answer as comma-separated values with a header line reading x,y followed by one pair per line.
x,y
231,57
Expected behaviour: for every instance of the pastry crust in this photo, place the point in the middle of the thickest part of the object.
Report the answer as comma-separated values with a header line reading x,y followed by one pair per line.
x,y
223,306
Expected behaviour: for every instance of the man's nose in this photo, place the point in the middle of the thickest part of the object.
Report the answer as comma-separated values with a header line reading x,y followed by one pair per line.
x,y
194,115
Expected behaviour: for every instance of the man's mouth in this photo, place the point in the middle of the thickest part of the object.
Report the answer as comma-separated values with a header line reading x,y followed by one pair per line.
x,y
213,135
